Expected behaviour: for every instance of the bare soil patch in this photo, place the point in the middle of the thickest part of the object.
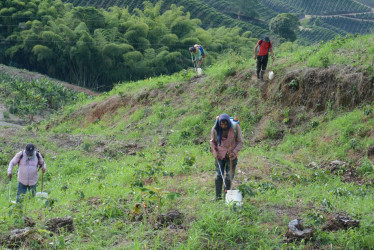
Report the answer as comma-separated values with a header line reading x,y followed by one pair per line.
x,y
317,88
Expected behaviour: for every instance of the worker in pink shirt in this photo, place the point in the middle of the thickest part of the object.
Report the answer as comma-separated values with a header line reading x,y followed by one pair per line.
x,y
28,161
226,141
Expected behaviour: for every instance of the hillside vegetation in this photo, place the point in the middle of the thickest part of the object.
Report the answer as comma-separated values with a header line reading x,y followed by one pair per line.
x,y
254,15
97,48
132,167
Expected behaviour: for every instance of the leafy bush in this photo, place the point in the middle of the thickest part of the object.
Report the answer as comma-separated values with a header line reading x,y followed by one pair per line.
x,y
28,99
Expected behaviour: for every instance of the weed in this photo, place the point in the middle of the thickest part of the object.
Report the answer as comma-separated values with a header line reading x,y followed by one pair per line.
x,y
247,189
325,61
366,167
266,186
188,162
368,110
326,204
314,124
6,115
221,88
272,131
286,115
158,195
230,72
294,85
316,217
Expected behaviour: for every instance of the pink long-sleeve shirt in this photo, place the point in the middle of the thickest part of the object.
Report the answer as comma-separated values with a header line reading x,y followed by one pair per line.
x,y
222,150
27,169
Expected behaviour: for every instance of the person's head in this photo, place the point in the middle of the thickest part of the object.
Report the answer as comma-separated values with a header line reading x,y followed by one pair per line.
x,y
192,49
266,39
224,124
30,148
224,121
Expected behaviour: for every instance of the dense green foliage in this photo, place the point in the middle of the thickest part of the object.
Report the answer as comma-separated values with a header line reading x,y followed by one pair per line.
x,y
27,99
215,13
97,48
285,25
255,15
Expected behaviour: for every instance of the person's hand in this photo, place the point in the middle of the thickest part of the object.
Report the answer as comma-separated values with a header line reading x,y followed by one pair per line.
x,y
232,155
273,57
215,155
43,170
10,176
255,57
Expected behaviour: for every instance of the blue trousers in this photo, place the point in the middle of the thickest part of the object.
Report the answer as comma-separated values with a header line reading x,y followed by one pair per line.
x,y
22,189
221,167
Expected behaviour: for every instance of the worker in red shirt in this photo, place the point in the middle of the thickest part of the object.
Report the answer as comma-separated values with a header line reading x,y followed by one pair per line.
x,y
261,51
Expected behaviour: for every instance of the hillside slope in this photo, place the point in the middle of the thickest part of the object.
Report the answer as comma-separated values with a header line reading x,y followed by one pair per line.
x,y
332,19
132,167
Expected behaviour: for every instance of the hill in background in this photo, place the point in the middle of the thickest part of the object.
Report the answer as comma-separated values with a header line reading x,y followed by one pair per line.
x,y
321,20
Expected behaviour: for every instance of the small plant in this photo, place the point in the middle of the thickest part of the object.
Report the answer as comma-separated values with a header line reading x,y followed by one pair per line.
x,y
272,131
366,167
160,85
247,189
295,179
368,110
325,60
316,217
266,186
87,146
326,204
286,115
221,88
6,115
294,85
158,196
188,162
353,143
230,72
314,124
320,175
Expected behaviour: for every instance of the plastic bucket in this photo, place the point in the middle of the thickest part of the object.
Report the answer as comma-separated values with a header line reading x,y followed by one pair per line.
x,y
234,197
42,195
199,71
271,75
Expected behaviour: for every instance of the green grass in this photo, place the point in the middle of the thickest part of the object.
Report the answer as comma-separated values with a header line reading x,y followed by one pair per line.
x,y
92,178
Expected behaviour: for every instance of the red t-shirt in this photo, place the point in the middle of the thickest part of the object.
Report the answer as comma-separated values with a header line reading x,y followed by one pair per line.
x,y
264,48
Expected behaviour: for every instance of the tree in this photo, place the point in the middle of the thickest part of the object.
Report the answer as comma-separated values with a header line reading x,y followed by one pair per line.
x,y
285,25
245,7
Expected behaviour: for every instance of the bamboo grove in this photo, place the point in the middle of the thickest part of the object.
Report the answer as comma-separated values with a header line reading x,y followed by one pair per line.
x,y
97,48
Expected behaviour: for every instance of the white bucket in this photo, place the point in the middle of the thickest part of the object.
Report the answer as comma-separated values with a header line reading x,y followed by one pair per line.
x,y
271,75
234,197
42,195
199,71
